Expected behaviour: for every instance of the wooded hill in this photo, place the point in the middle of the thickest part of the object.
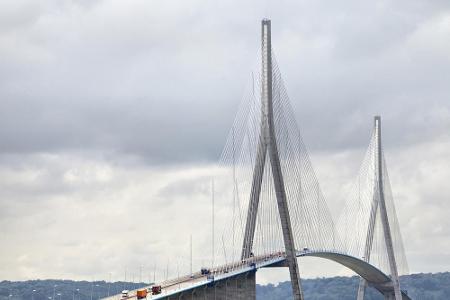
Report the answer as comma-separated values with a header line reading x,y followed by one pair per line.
x,y
419,287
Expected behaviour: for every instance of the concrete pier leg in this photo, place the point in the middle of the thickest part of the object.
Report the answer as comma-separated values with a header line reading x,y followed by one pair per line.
x,y
242,287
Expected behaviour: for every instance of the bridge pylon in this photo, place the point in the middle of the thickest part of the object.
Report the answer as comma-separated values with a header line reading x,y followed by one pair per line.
x,y
378,206
268,143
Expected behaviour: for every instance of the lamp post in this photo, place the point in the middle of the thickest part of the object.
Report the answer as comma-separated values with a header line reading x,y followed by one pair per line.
x,y
97,286
109,283
32,294
59,294
54,289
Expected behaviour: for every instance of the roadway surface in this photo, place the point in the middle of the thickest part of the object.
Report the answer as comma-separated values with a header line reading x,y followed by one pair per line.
x,y
375,277
185,283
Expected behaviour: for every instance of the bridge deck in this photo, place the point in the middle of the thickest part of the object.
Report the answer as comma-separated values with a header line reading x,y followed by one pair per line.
x,y
219,273
375,277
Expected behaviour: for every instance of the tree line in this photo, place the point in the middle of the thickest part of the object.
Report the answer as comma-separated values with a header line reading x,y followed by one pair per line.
x,y
419,286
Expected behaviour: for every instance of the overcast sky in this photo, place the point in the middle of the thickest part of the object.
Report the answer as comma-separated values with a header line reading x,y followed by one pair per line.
x,y
112,113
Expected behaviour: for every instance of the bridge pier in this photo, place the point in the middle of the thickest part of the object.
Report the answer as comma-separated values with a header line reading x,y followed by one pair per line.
x,y
240,287
389,296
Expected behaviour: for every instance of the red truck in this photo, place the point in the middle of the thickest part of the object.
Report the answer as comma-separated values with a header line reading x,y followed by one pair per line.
x,y
156,289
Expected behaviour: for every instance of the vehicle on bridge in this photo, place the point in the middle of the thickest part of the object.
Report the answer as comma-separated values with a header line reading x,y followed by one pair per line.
x,y
141,294
125,294
156,290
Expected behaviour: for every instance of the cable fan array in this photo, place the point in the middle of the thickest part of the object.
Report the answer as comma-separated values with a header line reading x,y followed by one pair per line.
x,y
360,223
311,221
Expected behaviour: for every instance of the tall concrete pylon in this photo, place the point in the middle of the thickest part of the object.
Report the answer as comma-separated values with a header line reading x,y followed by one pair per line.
x,y
379,202
268,143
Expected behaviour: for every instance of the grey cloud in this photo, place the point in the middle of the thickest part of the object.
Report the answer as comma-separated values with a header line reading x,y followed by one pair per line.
x,y
191,186
171,79
46,234
156,215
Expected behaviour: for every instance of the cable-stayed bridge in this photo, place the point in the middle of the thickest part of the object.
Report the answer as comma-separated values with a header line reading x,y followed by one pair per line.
x,y
277,212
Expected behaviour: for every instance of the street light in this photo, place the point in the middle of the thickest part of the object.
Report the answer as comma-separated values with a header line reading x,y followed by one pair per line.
x,y
32,295
109,283
54,289
77,290
59,294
